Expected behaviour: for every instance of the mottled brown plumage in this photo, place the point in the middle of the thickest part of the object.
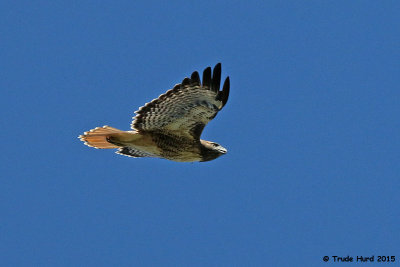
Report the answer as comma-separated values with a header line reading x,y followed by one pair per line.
x,y
170,126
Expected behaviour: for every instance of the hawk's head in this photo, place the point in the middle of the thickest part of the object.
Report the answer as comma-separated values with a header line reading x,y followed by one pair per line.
x,y
211,150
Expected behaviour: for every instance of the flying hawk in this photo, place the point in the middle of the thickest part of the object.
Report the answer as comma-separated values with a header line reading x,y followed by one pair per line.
x,y
170,126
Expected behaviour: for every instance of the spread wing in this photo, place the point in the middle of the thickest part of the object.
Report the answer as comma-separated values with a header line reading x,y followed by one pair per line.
x,y
187,108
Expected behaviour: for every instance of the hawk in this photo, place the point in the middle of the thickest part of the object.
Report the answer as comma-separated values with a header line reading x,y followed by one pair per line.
x,y
170,126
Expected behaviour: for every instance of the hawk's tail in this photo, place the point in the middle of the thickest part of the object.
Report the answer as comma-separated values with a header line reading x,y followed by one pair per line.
x,y
99,137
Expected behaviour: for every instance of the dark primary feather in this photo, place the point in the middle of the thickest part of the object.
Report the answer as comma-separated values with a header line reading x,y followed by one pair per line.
x,y
195,78
216,78
186,82
207,77
224,94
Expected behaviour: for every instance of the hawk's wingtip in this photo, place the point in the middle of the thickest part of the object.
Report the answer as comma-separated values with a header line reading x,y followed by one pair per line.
x,y
216,78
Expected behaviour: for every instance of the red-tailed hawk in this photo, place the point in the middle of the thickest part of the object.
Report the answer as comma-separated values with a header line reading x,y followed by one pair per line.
x,y
170,126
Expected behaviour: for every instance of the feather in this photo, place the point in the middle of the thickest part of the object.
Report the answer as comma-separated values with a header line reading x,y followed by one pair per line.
x,y
186,82
224,94
207,77
176,87
134,153
216,78
195,78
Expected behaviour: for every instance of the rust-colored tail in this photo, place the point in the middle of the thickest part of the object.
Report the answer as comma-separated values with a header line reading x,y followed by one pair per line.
x,y
98,136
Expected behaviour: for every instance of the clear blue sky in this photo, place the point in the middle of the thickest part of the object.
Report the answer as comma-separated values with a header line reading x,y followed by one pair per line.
x,y
311,127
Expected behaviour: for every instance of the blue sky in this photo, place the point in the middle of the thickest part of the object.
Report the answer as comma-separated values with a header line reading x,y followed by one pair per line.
x,y
311,126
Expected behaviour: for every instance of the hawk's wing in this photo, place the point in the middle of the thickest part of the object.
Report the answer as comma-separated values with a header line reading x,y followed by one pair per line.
x,y
134,153
187,108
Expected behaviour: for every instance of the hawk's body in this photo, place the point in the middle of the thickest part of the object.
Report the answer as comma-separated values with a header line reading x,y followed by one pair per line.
x,y
170,126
